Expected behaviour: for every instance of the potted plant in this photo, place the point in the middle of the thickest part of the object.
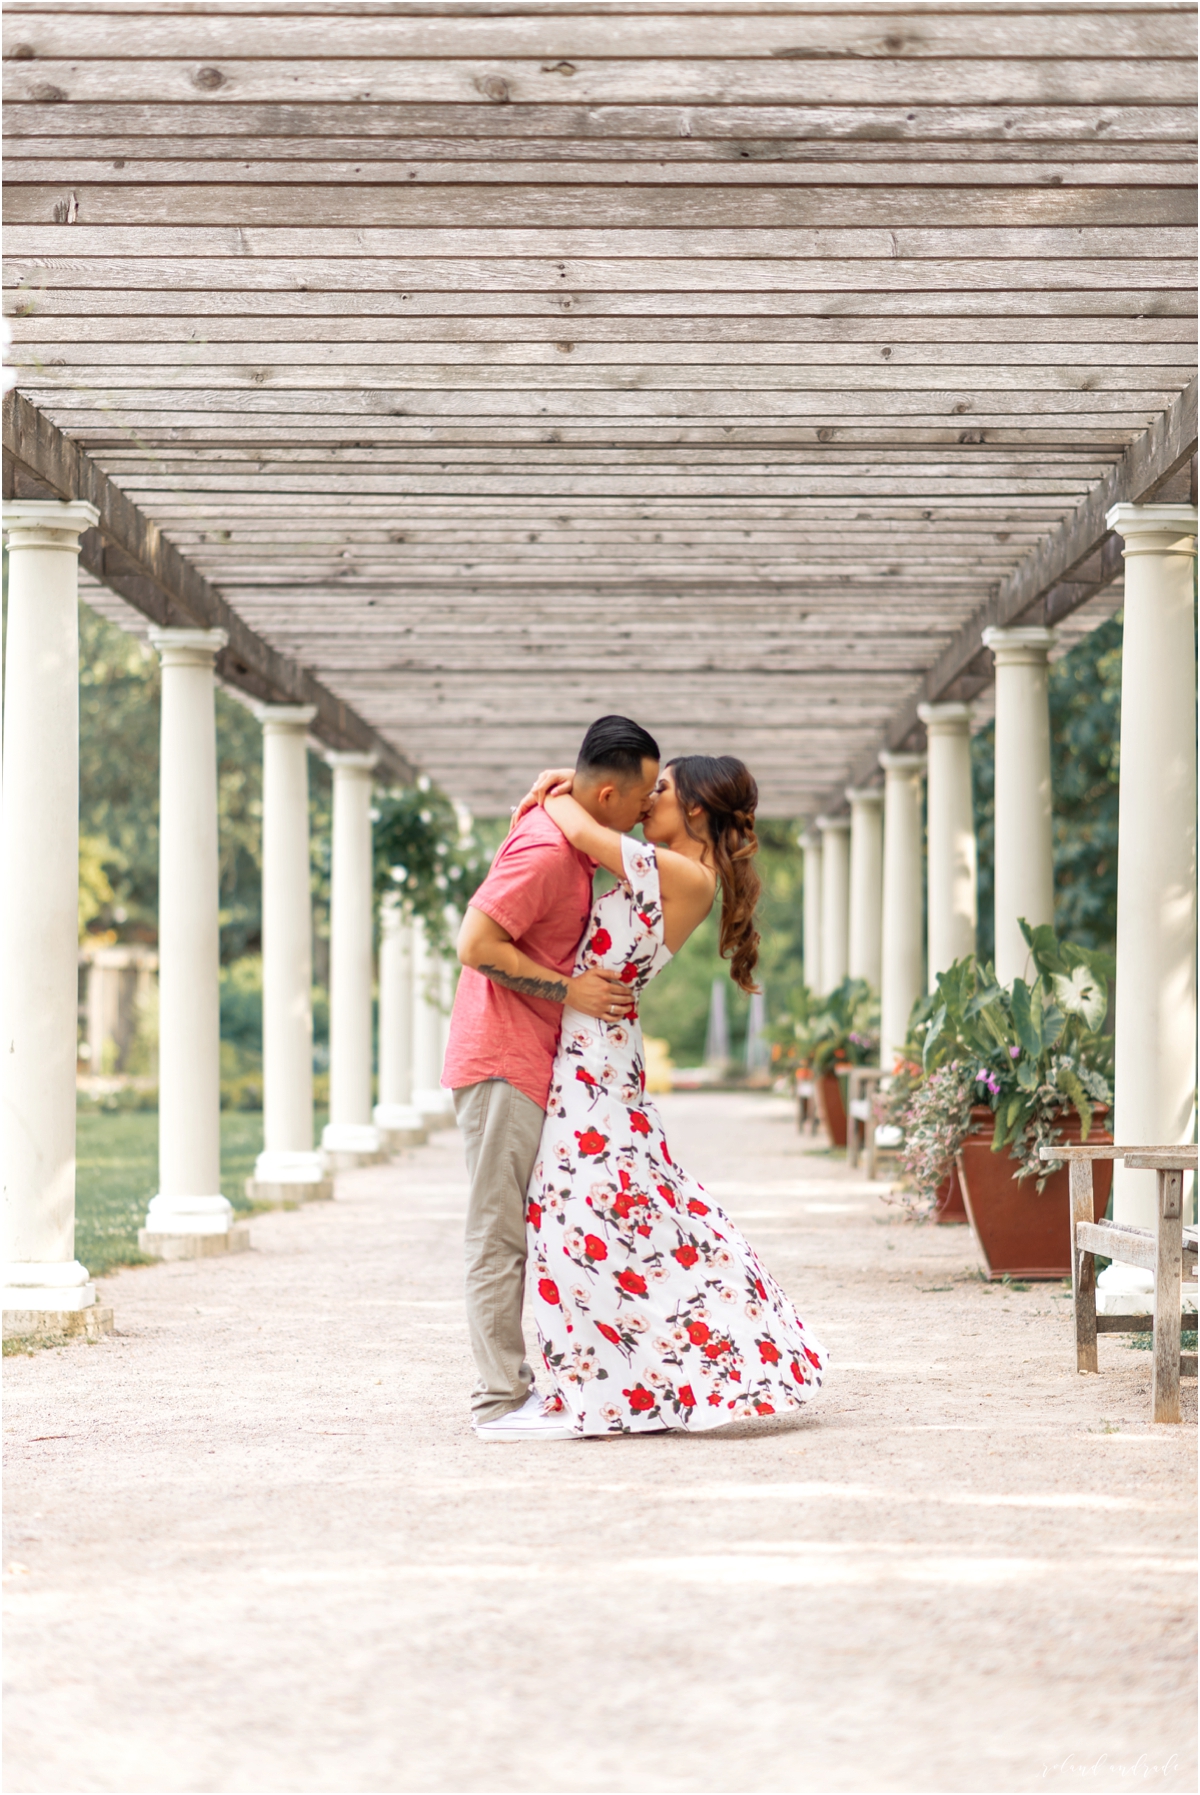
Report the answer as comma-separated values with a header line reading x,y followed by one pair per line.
x,y
840,1030
1005,1071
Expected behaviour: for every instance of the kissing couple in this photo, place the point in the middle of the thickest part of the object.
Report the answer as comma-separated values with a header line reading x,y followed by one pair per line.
x,y
652,1310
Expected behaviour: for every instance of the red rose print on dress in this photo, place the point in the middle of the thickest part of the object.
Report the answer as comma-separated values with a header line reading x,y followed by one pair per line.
x,y
600,942
639,1123
686,1255
609,1333
812,1357
548,1290
698,1332
594,1247
764,1408
632,1283
696,1207
591,1142
640,1399
586,1078
535,1216
628,974
687,1396
768,1352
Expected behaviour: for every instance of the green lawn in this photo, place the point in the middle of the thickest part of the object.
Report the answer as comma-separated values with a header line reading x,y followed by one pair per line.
x,y
117,1175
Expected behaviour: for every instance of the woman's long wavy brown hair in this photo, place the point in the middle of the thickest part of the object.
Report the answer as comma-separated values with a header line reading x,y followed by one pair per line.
x,y
728,796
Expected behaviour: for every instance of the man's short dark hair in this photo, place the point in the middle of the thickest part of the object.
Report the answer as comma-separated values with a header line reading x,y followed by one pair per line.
x,y
615,745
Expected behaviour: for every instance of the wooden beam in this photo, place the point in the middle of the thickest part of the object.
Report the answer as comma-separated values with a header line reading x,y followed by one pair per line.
x,y
1040,583
128,553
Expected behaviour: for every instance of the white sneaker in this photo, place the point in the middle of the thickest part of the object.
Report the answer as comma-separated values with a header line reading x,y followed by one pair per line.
x,y
529,1422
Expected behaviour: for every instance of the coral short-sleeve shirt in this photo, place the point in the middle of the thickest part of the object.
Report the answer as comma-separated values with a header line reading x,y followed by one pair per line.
x,y
540,892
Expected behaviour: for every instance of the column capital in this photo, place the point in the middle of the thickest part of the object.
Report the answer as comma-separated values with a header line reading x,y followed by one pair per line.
x,y
864,794
285,717
810,841
902,763
351,763
1028,647
827,824
1154,529
945,719
48,523
188,647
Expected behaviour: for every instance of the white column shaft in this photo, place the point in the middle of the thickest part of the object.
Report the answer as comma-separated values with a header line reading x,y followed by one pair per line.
x,y
950,825
1156,866
350,959
866,885
395,1109
813,974
835,901
428,1028
1024,847
903,974
189,1199
288,1155
39,918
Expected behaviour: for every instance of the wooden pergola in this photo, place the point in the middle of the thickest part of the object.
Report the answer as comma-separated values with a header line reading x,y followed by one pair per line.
x,y
481,368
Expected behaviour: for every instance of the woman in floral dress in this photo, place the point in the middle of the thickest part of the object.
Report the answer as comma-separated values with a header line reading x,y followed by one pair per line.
x,y
652,1309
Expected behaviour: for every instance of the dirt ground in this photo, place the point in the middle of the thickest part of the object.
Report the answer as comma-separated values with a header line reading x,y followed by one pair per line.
x,y
254,1546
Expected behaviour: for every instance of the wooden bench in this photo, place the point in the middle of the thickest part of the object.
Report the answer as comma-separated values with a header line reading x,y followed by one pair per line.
x,y
1162,1250
860,1116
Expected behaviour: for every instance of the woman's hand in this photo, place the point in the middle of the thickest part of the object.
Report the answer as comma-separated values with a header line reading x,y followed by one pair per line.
x,y
557,782
598,992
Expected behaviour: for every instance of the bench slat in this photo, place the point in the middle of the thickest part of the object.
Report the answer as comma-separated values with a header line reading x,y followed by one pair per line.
x,y
1130,1246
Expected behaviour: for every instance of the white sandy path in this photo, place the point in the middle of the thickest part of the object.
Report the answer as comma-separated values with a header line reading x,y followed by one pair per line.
x,y
254,1546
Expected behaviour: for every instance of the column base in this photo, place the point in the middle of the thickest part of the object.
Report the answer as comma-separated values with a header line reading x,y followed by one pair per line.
x,y
345,1145
59,1286
435,1108
54,1327
401,1125
285,1179
158,1245
1124,1290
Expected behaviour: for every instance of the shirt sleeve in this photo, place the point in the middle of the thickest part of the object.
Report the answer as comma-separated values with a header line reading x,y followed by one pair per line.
x,y
524,884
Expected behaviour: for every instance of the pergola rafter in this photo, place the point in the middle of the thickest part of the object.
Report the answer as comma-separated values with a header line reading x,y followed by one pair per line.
x,y
731,367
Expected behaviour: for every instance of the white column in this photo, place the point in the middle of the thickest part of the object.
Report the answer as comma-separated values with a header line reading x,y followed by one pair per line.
x,y
396,1116
835,900
189,1216
288,1169
866,883
950,828
1024,847
45,1287
1156,864
435,1105
811,844
350,1137
903,976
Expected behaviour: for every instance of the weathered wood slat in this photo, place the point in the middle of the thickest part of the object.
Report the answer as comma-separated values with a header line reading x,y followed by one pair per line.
x,y
628,207
318,243
325,32
125,164
1153,385
1038,304
910,121
603,81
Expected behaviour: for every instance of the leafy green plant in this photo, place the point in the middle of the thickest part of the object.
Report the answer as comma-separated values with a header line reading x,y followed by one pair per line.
x,y
424,850
841,1028
1031,1052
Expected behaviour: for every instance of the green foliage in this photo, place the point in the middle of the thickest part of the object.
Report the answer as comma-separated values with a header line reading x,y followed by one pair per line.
x,y
839,1029
422,851
1032,1051
1085,725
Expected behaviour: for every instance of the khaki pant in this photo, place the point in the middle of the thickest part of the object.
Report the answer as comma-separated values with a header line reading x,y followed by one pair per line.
x,y
501,1129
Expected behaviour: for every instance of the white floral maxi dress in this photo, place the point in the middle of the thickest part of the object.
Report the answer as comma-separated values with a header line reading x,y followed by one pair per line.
x,y
652,1309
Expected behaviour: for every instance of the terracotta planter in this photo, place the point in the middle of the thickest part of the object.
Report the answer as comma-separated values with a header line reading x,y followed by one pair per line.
x,y
1021,1233
832,1108
950,1206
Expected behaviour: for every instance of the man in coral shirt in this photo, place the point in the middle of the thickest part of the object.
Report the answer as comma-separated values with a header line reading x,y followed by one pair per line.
x,y
517,945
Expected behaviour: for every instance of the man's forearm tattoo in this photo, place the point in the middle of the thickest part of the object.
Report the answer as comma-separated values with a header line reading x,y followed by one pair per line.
x,y
553,990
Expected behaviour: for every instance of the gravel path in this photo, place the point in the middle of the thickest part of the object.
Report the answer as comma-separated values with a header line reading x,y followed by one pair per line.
x,y
254,1547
